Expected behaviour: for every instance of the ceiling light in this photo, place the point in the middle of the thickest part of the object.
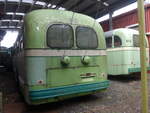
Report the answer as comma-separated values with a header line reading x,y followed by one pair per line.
x,y
106,4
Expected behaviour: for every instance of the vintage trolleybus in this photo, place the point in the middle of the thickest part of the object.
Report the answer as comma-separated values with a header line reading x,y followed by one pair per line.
x,y
61,54
123,51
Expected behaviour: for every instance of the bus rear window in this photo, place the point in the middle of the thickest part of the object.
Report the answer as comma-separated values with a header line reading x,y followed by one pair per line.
x,y
60,36
86,38
136,41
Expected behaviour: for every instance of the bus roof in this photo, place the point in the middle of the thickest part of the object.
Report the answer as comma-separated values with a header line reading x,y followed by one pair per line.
x,y
51,15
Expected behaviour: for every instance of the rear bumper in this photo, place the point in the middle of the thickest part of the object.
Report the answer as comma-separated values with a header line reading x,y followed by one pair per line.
x,y
67,90
133,70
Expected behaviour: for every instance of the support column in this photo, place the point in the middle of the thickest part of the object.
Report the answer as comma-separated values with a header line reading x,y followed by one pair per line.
x,y
1,103
110,20
144,85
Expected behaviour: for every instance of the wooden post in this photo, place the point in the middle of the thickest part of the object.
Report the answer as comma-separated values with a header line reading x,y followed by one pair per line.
x,y
144,87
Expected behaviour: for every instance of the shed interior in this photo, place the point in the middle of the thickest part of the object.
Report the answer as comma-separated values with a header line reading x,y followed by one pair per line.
x,y
13,11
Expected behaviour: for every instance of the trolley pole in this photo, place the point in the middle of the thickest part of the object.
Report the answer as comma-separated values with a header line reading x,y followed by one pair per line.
x,y
144,87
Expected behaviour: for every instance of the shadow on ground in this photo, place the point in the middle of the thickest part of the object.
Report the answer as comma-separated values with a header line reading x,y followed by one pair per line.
x,y
125,78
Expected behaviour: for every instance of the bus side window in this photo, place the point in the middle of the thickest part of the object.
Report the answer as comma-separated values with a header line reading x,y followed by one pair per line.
x,y
117,41
14,52
21,45
109,42
17,47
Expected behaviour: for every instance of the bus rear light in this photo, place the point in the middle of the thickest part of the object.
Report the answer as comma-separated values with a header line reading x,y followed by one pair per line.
x,y
103,75
86,60
65,60
40,81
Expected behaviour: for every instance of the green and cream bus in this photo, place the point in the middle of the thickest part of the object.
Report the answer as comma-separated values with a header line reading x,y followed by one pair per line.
x,y
123,51
60,54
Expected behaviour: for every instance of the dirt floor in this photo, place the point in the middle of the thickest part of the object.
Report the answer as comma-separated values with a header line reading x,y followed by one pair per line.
x,y
123,96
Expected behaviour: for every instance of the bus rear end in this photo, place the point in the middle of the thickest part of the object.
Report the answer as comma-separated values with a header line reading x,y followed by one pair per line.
x,y
72,62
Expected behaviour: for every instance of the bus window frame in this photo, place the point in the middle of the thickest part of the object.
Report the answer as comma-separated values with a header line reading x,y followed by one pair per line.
x,y
93,31
48,45
116,36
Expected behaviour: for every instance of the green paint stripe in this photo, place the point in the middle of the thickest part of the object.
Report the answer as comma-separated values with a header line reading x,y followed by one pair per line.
x,y
136,69
67,90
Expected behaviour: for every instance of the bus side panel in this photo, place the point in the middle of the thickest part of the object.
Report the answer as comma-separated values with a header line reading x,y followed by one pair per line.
x,y
36,70
125,62
115,61
134,60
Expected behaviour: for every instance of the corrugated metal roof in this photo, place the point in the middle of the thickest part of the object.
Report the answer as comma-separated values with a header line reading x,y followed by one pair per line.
x,y
13,11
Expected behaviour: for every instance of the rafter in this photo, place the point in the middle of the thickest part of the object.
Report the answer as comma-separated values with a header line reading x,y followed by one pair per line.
x,y
9,27
17,10
5,6
116,5
32,5
88,7
18,25
60,3
76,5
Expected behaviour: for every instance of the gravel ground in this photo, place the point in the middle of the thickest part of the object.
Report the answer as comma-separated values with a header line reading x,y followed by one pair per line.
x,y
123,96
